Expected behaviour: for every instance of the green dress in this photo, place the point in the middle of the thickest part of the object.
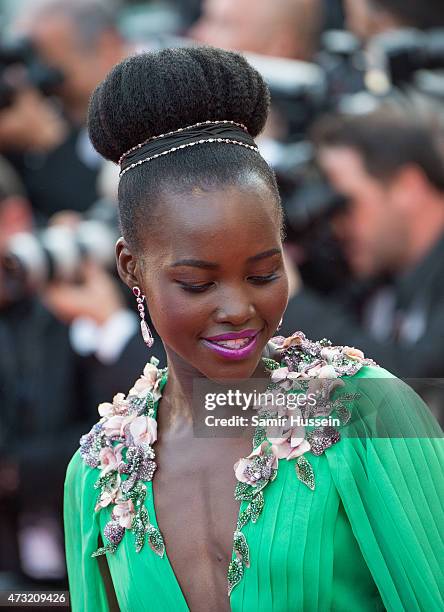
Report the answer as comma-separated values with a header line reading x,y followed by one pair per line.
x,y
367,537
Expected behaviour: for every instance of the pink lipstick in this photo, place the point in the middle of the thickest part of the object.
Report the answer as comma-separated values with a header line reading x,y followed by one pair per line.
x,y
233,345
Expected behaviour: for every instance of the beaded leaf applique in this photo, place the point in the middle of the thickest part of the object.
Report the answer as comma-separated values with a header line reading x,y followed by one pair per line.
x,y
310,367
121,443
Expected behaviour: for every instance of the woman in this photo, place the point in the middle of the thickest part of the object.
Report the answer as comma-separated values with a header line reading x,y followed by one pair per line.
x,y
322,519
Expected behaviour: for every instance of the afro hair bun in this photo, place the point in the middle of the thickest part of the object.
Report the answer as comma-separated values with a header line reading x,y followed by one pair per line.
x,y
156,92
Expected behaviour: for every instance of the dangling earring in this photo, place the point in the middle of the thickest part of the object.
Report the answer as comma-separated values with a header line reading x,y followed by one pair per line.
x,y
280,323
146,332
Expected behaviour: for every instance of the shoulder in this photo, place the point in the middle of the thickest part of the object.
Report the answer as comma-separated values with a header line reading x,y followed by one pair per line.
x,y
379,401
121,420
318,358
114,460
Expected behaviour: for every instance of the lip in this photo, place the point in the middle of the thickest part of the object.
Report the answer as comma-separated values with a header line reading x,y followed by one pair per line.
x,y
245,333
234,354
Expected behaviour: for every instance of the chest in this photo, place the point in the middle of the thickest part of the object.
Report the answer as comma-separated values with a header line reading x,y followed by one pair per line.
x,y
197,513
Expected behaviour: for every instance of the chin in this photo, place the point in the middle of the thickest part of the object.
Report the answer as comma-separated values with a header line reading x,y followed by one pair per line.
x,y
235,371
220,370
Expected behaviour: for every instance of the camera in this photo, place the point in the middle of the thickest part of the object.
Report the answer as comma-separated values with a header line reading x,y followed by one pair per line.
x,y
56,253
344,78
21,65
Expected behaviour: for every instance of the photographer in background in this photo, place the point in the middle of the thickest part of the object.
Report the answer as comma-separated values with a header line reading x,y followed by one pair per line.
x,y
80,40
282,28
68,344
389,168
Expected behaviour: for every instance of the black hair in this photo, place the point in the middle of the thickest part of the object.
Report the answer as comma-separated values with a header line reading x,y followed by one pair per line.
x,y
157,92
387,140
424,14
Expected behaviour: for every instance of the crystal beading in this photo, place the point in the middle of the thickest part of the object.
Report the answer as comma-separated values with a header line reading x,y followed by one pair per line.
x,y
178,131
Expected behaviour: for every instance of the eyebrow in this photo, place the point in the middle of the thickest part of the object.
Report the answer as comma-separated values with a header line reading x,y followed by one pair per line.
x,y
209,265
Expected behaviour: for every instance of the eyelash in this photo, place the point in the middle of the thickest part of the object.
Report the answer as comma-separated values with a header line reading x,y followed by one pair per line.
x,y
260,280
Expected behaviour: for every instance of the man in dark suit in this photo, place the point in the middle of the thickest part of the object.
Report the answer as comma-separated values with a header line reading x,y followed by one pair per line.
x,y
390,169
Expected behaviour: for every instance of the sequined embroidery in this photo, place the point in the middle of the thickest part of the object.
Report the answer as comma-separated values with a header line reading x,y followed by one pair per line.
x,y
121,443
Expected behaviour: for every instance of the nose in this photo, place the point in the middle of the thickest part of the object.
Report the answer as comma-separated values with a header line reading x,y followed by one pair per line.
x,y
235,308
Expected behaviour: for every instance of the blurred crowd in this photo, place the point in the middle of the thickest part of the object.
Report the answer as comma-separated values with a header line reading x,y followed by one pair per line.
x,y
355,138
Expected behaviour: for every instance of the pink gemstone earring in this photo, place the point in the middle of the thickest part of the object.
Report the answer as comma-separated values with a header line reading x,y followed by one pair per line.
x,y
146,332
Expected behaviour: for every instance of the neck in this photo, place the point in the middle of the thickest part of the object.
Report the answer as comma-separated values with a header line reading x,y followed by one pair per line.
x,y
183,404
177,398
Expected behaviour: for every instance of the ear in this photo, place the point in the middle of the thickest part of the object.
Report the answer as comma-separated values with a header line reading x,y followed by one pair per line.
x,y
409,185
127,264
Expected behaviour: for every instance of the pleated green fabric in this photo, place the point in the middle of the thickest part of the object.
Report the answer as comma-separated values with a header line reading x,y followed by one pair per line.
x,y
369,537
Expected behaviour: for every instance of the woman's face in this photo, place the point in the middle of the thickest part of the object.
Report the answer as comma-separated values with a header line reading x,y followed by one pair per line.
x,y
212,265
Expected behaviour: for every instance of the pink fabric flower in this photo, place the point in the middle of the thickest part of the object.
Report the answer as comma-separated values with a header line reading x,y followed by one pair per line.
x,y
143,430
106,409
113,425
110,458
277,341
120,404
248,469
279,374
295,339
296,375
109,495
291,443
124,513
327,371
313,369
146,382
353,353
330,354
295,447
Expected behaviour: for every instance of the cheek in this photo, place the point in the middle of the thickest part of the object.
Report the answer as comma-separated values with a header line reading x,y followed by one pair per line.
x,y
368,219
176,314
273,301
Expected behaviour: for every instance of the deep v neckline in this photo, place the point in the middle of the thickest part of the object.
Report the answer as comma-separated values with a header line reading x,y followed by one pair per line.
x,y
166,559
153,514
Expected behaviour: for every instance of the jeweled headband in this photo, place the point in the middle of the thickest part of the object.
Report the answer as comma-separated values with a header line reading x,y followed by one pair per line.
x,y
227,132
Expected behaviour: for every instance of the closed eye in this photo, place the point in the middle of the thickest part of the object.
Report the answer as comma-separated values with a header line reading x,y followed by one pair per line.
x,y
257,280
195,288
261,280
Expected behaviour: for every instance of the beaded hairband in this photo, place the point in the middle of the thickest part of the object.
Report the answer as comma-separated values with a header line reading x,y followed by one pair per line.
x,y
202,131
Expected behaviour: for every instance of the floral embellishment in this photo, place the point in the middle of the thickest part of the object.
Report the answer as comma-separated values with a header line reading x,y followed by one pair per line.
x,y
312,367
322,438
124,513
143,430
258,466
293,442
120,445
110,458
353,353
253,474
108,494
149,381
119,405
